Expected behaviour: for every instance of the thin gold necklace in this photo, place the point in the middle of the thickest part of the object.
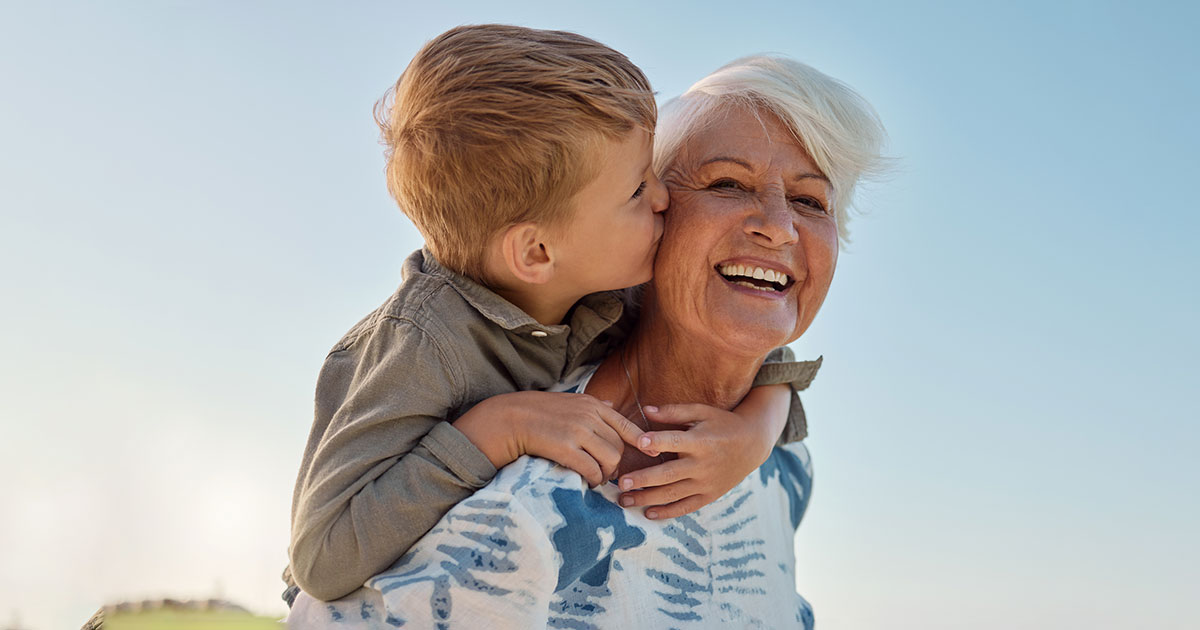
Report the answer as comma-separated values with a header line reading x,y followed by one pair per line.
x,y
636,401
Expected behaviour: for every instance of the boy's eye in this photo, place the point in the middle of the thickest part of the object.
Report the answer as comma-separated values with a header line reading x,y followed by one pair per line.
x,y
638,193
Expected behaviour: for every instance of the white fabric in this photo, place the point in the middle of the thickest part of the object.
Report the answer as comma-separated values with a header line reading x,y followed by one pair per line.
x,y
536,548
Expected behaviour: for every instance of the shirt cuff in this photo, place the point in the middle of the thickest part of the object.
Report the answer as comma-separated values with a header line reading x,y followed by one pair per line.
x,y
798,374
459,455
796,428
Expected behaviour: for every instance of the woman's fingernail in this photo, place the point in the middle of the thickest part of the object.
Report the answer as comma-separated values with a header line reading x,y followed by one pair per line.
x,y
650,408
627,483
652,514
644,442
627,501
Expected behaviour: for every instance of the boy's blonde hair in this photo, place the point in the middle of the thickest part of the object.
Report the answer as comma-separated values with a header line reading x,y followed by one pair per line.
x,y
493,125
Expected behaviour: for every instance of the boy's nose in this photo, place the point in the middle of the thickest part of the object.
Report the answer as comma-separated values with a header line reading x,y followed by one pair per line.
x,y
659,197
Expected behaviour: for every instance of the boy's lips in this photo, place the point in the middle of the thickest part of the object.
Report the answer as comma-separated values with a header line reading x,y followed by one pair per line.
x,y
658,234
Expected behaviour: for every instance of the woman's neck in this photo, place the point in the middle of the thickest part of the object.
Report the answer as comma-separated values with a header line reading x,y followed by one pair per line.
x,y
666,367
658,366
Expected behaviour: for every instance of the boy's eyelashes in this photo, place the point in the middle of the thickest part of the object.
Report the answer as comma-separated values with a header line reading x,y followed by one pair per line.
x,y
640,189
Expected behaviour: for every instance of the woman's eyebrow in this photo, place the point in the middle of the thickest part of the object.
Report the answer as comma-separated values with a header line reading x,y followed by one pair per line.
x,y
803,176
722,158
746,165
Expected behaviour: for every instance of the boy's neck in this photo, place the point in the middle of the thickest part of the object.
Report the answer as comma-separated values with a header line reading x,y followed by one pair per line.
x,y
546,301
543,304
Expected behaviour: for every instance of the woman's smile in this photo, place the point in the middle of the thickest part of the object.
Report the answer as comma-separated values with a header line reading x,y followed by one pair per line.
x,y
765,279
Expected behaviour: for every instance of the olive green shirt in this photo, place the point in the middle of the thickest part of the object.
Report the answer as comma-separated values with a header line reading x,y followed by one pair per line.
x,y
383,463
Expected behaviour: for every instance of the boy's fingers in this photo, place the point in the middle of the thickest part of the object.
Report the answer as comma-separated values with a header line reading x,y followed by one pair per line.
x,y
659,495
628,431
657,475
582,463
683,413
654,442
678,508
606,455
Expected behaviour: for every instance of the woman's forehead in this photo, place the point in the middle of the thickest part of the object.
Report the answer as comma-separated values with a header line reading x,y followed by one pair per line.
x,y
748,147
749,140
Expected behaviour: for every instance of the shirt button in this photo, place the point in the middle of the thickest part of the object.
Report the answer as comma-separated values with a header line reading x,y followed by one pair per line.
x,y
538,333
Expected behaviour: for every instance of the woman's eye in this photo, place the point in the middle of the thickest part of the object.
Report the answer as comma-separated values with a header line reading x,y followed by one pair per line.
x,y
638,193
810,202
727,184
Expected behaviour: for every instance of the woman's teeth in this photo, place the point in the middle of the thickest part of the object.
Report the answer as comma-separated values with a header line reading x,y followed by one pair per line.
x,y
770,280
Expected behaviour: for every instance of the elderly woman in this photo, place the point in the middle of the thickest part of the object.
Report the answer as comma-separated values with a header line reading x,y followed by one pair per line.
x,y
761,159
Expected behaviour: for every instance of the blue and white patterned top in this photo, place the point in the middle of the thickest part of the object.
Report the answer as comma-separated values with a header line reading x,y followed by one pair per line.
x,y
537,548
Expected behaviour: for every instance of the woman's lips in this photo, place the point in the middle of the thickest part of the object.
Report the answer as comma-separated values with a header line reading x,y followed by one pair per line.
x,y
762,278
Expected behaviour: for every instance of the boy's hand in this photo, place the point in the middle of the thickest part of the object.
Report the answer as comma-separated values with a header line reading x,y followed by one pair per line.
x,y
715,452
575,430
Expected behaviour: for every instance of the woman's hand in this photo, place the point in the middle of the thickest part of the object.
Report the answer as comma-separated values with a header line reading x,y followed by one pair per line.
x,y
715,451
577,431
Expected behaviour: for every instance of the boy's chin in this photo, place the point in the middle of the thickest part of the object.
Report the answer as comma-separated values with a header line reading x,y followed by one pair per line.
x,y
639,281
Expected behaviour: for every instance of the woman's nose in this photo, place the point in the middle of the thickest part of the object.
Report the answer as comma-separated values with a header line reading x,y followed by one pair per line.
x,y
773,222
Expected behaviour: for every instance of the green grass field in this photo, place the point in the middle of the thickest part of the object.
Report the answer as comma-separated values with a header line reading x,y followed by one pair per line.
x,y
189,620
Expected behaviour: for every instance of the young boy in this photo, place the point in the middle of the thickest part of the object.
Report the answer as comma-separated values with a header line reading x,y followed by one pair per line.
x,y
524,158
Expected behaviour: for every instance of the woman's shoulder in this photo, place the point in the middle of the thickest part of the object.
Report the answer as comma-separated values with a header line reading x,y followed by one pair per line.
x,y
789,470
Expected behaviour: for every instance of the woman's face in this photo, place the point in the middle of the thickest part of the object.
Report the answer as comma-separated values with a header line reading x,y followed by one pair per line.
x,y
747,207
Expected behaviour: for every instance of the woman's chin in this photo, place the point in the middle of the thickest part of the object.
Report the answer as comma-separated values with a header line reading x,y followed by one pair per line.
x,y
754,333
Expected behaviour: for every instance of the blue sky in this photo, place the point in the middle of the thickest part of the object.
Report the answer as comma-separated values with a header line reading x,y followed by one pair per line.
x,y
192,211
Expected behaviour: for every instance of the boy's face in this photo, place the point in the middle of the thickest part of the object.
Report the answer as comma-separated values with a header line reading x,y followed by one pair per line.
x,y
612,236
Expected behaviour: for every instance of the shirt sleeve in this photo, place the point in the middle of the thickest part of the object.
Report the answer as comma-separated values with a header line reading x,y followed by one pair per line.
x,y
781,367
381,465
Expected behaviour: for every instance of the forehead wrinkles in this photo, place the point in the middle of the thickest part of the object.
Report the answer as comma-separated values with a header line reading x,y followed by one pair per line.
x,y
752,147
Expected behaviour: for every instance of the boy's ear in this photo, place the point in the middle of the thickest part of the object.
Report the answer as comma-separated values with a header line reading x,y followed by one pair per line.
x,y
525,253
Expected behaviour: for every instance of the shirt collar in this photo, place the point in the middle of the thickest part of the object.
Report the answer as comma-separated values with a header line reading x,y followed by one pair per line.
x,y
592,314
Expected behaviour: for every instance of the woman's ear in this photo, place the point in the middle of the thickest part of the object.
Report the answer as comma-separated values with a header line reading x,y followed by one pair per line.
x,y
526,254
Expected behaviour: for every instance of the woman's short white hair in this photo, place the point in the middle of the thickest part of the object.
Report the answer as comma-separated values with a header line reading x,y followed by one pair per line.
x,y
838,128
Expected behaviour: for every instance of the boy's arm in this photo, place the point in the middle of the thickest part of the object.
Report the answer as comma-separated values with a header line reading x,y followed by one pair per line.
x,y
381,465
781,368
